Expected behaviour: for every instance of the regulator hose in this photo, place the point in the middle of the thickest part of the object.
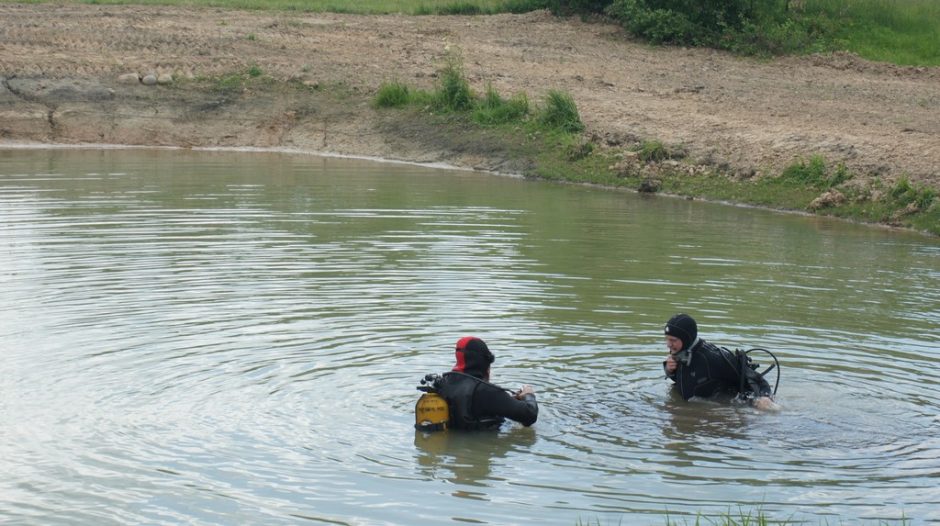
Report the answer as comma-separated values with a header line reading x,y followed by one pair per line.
x,y
776,365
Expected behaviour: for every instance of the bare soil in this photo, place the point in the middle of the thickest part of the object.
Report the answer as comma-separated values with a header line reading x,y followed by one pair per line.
x,y
60,66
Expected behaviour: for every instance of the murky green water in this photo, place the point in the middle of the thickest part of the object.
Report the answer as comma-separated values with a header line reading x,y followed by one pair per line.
x,y
235,338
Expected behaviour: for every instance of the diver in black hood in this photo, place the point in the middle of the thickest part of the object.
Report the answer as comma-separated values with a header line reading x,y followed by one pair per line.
x,y
702,369
474,403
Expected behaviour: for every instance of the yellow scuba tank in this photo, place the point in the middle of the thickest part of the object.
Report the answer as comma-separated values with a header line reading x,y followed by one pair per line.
x,y
431,410
431,413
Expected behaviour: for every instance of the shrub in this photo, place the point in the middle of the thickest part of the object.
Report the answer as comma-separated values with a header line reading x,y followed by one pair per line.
x,y
699,22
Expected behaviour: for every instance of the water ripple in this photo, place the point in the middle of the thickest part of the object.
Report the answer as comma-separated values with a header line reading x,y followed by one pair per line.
x,y
220,339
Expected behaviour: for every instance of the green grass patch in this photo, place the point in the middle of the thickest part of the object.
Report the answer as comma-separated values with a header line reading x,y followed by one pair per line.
x,y
494,109
800,184
392,95
454,95
232,83
745,517
897,31
653,151
560,112
453,92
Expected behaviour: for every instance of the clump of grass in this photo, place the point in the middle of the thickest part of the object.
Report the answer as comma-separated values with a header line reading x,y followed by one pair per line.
x,y
560,112
460,8
579,151
494,109
481,7
392,95
815,173
812,172
905,194
653,151
233,82
839,176
230,82
453,93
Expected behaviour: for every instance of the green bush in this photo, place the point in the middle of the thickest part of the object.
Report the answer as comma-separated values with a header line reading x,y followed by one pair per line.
x,y
560,112
741,25
659,26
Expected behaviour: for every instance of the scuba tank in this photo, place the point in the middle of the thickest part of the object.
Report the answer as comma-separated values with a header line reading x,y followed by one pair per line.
x,y
744,360
431,411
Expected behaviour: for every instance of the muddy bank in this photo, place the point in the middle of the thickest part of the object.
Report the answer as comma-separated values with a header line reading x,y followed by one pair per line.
x,y
62,65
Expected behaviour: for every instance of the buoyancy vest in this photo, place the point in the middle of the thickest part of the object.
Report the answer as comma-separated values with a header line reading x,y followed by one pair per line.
x,y
458,389
712,369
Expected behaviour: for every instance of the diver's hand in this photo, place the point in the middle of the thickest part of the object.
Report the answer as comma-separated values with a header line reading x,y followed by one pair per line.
x,y
765,403
671,364
526,389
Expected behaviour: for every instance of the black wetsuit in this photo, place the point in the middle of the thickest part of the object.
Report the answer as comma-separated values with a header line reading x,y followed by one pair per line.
x,y
714,370
476,404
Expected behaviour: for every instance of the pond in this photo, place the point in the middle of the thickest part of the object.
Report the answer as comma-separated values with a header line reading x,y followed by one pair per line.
x,y
236,337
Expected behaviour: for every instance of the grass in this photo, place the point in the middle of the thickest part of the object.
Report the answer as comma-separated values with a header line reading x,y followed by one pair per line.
x,y
652,151
454,95
548,140
408,7
392,95
493,109
560,112
746,518
896,31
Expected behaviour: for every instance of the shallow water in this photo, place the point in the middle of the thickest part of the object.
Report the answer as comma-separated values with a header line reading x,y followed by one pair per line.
x,y
235,338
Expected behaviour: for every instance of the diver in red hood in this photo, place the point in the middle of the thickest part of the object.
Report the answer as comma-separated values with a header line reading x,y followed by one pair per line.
x,y
475,403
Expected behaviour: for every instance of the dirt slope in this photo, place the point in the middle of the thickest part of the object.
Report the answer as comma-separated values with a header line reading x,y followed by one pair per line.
x,y
750,115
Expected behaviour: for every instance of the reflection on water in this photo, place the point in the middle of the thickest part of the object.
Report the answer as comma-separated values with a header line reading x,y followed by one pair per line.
x,y
217,338
466,458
